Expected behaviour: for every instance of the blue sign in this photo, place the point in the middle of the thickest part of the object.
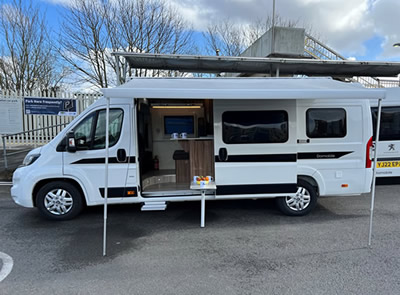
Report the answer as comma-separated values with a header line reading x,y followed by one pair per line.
x,y
49,106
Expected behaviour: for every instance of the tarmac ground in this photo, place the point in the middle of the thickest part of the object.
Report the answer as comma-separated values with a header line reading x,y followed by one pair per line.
x,y
247,247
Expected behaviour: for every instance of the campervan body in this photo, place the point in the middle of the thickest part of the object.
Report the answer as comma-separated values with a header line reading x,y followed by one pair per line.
x,y
388,164
293,139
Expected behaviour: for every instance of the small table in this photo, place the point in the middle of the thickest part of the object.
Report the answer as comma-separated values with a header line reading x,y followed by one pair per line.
x,y
208,187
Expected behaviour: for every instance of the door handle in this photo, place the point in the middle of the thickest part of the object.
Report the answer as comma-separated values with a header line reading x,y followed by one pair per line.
x,y
303,140
223,154
121,156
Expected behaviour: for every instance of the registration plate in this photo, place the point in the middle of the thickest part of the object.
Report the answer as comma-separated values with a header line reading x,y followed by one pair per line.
x,y
388,164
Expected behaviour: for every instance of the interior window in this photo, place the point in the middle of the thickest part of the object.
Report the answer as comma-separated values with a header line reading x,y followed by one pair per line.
x,y
326,123
255,127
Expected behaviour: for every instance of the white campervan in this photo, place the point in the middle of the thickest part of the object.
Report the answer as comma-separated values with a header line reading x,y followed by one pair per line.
x,y
388,164
293,139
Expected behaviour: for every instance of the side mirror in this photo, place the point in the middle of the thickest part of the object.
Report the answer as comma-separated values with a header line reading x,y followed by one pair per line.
x,y
71,147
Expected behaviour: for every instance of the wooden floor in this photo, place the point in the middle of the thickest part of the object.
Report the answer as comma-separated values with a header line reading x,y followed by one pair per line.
x,y
170,189
171,186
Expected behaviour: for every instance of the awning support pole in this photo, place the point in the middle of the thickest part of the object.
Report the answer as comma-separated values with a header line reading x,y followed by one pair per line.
x,y
117,71
106,179
378,125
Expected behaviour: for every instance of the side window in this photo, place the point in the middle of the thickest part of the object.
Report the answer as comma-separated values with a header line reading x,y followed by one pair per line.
x,y
83,132
326,123
116,116
255,127
90,133
390,123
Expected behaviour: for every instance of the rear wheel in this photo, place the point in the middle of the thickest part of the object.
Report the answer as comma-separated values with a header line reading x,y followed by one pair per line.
x,y
300,204
59,200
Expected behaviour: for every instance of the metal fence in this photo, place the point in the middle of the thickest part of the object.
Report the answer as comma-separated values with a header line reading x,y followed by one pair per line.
x,y
318,50
40,129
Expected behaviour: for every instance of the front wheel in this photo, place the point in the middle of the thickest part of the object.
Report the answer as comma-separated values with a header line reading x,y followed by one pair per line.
x,y
59,200
300,204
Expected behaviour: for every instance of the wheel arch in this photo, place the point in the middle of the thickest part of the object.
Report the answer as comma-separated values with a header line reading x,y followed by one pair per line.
x,y
43,182
313,176
311,181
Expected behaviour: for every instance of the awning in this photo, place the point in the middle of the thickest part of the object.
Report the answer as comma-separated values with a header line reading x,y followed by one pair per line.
x,y
254,65
241,88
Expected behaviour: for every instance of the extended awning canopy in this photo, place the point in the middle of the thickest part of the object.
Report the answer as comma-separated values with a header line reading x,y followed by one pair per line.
x,y
241,88
259,65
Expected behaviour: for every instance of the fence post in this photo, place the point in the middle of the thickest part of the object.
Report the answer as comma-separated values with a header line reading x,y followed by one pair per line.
x,y
4,152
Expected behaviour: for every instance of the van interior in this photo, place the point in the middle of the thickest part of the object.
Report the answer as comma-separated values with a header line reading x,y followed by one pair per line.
x,y
175,143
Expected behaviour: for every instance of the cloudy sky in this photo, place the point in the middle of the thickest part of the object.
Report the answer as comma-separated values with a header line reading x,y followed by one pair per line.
x,y
363,29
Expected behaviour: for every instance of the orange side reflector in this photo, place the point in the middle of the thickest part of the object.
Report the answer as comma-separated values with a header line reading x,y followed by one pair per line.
x,y
345,185
131,193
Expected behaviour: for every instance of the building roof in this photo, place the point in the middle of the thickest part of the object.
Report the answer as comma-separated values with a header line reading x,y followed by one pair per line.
x,y
241,88
254,65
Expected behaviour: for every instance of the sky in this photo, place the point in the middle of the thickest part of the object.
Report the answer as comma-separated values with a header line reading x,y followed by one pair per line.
x,y
357,29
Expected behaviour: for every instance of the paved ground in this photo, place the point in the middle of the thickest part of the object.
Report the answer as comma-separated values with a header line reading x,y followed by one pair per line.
x,y
248,247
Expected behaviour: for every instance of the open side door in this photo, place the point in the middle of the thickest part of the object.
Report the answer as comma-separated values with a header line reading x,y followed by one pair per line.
x,y
255,147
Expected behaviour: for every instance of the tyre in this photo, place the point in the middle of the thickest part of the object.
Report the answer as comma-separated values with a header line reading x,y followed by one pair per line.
x,y
302,203
59,200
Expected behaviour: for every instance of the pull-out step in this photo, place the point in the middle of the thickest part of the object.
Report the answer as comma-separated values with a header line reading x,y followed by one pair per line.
x,y
154,206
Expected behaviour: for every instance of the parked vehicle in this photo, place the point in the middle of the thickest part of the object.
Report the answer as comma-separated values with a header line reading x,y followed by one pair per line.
x,y
293,139
388,164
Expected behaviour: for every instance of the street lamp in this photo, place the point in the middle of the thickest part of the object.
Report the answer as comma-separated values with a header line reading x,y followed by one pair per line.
x,y
396,45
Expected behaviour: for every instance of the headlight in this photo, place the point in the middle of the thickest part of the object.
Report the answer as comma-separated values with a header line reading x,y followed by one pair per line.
x,y
29,159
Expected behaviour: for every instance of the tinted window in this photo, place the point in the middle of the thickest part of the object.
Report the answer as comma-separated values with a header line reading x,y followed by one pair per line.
x,y
390,123
90,133
255,127
326,123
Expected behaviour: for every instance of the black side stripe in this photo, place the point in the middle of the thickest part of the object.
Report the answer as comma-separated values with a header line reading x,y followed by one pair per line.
x,y
260,158
284,157
120,192
388,159
112,160
239,189
324,155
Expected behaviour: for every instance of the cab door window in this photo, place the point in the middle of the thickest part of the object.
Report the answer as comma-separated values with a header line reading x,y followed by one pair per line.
x,y
90,133
116,116
83,133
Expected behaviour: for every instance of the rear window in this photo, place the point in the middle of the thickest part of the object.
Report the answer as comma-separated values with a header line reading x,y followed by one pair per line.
x,y
326,123
255,127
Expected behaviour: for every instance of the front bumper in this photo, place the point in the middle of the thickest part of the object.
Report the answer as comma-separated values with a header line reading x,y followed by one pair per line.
x,y
21,190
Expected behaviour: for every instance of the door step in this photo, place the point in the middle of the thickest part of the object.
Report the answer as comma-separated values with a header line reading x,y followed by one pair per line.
x,y
154,206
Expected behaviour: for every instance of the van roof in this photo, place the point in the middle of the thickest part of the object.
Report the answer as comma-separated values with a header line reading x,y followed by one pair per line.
x,y
241,88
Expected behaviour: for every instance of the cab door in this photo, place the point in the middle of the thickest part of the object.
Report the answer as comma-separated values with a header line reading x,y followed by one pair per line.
x,y
255,146
87,164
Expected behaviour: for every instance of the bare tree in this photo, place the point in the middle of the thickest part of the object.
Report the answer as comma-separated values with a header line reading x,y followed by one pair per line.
x,y
92,29
226,38
27,60
84,41
231,39
149,26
